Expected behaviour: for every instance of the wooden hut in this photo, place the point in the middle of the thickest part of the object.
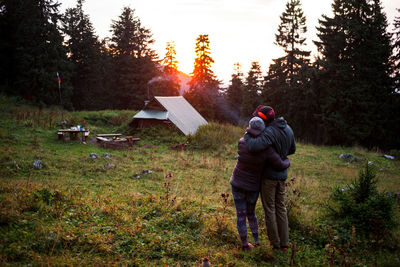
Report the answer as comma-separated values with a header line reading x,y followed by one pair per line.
x,y
167,111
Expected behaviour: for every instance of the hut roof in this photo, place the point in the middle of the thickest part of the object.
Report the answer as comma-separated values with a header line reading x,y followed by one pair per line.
x,y
173,108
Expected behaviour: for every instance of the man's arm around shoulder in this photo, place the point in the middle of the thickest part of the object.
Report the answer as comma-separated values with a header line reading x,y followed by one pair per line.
x,y
257,143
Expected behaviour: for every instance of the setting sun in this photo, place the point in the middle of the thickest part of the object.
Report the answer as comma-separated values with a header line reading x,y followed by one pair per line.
x,y
239,31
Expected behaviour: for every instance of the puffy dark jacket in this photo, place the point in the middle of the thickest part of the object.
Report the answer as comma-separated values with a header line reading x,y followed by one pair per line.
x,y
247,172
279,135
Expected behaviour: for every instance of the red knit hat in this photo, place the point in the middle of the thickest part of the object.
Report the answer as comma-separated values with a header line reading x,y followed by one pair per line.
x,y
265,112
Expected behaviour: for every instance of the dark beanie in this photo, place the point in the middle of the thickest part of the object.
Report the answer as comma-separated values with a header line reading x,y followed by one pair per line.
x,y
266,113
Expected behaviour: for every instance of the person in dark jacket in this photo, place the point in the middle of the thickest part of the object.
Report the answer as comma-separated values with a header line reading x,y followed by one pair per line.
x,y
278,135
246,178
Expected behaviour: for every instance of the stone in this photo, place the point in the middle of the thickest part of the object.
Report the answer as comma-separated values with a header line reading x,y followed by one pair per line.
x,y
109,165
93,156
347,157
106,156
146,171
345,189
16,165
38,164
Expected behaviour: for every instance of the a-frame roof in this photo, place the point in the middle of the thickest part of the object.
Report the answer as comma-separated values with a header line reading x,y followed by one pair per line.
x,y
173,108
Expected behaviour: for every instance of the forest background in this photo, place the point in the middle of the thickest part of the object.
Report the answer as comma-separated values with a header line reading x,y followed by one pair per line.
x,y
347,95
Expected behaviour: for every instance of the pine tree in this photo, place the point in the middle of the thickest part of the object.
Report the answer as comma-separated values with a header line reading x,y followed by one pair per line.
x,y
84,52
394,103
291,38
32,51
252,89
275,88
396,53
235,90
134,60
170,58
285,81
203,77
203,84
169,85
355,49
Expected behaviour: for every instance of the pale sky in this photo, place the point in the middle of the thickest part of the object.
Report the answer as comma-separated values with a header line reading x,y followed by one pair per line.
x,y
239,30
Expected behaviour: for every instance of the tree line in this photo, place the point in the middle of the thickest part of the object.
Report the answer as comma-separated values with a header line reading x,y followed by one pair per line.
x,y
37,42
348,94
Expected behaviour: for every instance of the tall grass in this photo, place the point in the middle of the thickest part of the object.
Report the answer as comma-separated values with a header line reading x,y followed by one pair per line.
x,y
214,135
76,212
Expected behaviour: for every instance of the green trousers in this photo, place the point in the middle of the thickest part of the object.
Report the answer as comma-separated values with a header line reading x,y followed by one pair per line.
x,y
273,200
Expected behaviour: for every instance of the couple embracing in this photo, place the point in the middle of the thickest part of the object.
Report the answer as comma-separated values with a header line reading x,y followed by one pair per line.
x,y
262,169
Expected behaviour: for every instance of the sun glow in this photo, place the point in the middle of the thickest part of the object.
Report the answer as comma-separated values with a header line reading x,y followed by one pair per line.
x,y
185,57
239,31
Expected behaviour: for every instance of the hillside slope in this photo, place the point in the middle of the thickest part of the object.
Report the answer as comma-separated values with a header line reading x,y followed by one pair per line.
x,y
154,205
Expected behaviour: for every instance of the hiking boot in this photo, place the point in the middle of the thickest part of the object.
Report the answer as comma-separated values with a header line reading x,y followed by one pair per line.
x,y
249,247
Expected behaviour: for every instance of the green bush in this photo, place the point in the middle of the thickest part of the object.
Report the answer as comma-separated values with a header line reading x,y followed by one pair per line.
x,y
214,135
360,205
157,135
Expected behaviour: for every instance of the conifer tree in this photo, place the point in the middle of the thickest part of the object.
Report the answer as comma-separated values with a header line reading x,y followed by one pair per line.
x,y
355,49
235,90
394,103
167,81
203,84
134,59
170,61
32,51
285,78
396,53
84,51
252,89
291,37
203,77
171,80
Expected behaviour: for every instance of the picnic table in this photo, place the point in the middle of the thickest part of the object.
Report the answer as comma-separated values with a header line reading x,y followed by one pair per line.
x,y
73,134
115,140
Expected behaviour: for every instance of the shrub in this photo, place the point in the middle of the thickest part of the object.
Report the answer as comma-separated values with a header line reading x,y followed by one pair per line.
x,y
157,135
360,205
213,135
73,119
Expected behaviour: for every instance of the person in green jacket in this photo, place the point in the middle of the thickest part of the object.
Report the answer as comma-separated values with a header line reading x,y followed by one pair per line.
x,y
279,135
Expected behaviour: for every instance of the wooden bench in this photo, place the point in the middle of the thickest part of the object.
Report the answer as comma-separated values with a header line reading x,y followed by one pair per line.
x,y
132,140
116,142
85,135
61,135
109,135
101,139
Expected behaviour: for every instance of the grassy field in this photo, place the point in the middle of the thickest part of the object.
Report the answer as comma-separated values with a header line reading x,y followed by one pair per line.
x,y
82,211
